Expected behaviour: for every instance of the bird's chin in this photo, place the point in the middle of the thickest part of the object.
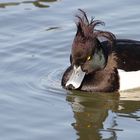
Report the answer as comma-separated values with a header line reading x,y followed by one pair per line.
x,y
89,72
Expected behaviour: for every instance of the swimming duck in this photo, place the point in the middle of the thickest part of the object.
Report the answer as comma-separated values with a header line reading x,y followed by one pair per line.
x,y
94,64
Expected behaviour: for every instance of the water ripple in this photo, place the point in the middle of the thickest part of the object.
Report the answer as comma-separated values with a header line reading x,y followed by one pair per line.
x,y
52,81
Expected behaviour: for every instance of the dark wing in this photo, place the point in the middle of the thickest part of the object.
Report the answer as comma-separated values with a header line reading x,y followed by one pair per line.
x,y
128,54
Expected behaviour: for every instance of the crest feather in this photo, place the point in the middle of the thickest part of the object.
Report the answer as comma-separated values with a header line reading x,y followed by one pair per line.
x,y
86,28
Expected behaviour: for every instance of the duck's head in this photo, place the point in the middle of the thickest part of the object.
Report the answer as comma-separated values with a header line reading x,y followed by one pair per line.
x,y
87,54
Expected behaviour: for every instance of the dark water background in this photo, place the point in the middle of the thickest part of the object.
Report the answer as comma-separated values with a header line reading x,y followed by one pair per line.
x,y
35,41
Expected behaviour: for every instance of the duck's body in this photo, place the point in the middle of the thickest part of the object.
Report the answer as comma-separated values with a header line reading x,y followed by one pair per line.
x,y
128,71
129,80
94,64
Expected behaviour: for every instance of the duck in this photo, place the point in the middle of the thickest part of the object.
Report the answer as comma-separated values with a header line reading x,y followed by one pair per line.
x,y
95,65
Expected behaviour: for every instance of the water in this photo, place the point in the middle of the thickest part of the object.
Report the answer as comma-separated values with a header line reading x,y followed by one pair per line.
x,y
35,42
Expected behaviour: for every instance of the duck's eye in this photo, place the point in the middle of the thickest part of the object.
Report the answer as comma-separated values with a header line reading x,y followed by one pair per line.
x,y
88,58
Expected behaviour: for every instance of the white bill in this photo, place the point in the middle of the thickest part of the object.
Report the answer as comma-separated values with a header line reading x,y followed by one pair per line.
x,y
76,77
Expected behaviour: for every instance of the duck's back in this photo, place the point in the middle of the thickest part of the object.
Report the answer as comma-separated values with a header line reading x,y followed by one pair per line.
x,y
128,53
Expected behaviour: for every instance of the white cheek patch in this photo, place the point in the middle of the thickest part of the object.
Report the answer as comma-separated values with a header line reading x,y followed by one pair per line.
x,y
76,78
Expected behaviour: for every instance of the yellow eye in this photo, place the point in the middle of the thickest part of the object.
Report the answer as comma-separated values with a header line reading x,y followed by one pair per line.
x,y
88,58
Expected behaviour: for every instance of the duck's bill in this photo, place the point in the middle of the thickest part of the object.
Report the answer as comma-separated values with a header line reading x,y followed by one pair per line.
x,y
76,78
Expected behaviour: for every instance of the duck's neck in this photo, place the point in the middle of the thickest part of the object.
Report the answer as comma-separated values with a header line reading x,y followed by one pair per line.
x,y
106,80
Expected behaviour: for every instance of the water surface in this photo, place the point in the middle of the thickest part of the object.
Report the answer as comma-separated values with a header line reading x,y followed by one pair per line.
x,y
35,43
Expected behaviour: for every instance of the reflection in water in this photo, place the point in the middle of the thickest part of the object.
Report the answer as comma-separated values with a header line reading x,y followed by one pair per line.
x,y
40,5
37,3
4,5
96,114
